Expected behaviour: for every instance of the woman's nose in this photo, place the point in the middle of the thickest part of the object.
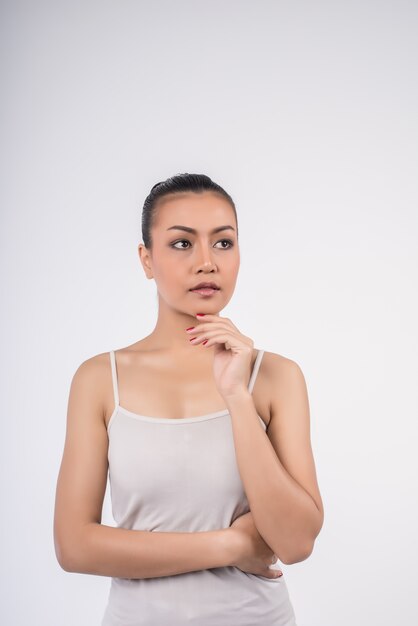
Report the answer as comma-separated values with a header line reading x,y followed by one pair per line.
x,y
204,258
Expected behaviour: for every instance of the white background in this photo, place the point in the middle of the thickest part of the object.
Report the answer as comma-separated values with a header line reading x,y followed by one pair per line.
x,y
306,113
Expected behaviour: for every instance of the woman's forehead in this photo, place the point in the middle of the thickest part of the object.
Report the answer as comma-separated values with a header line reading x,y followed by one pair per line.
x,y
192,209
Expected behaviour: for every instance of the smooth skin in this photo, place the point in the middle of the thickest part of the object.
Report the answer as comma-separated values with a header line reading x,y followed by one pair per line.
x,y
166,360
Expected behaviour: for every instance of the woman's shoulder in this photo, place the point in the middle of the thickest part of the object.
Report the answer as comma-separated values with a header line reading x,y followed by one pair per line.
x,y
101,360
93,373
94,363
96,370
276,361
278,367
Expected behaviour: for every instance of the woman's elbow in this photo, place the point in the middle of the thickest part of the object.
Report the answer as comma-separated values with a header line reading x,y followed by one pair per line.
x,y
298,555
67,550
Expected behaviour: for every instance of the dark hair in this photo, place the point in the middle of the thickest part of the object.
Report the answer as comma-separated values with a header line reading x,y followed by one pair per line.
x,y
195,183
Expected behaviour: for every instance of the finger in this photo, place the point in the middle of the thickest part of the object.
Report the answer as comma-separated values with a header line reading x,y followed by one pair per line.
x,y
227,338
212,332
203,327
214,335
274,573
210,317
204,335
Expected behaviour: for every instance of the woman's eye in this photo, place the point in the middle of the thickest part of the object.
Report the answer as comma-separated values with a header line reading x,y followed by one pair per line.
x,y
174,245
231,243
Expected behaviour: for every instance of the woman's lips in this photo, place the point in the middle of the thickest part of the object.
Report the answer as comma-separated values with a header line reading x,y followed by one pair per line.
x,y
205,291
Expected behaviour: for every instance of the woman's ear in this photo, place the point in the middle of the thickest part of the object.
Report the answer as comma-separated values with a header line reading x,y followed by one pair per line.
x,y
144,257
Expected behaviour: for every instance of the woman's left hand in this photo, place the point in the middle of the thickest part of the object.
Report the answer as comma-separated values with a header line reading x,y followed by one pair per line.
x,y
232,352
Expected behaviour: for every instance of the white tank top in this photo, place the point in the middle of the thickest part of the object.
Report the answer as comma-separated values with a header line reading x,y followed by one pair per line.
x,y
181,475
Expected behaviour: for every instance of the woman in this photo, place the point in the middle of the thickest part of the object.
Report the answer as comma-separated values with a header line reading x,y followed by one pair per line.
x,y
210,482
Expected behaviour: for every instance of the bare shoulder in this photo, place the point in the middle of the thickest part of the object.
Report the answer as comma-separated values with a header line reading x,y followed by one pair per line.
x,y
276,361
95,364
279,370
92,379
271,370
286,389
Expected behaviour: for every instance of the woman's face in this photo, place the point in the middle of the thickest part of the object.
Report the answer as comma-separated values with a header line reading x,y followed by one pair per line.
x,y
181,259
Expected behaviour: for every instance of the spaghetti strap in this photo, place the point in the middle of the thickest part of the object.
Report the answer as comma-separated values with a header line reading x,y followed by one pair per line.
x,y
114,377
256,367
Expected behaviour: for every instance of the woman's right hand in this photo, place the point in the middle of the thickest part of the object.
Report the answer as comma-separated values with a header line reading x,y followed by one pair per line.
x,y
254,555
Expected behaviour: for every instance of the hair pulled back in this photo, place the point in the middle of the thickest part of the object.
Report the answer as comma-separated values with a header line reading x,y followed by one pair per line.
x,y
195,183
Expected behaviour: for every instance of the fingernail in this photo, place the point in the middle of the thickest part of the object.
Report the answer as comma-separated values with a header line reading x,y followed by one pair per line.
x,y
191,328
278,574
200,314
204,342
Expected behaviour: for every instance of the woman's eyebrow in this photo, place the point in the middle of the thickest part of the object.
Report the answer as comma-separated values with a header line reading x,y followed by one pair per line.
x,y
194,231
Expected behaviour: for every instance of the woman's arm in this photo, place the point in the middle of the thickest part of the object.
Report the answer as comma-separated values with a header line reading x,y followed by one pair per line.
x,y
108,551
82,543
277,466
